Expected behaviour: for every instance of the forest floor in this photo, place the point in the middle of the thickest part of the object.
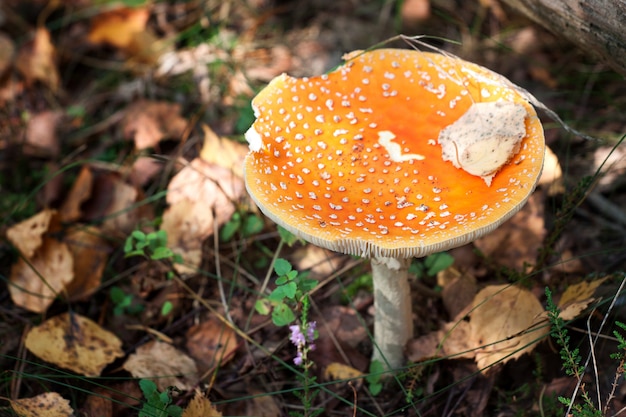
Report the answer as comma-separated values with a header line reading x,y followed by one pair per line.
x,y
136,269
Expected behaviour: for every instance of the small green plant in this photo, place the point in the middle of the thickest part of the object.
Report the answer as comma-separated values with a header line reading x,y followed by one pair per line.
x,y
152,245
571,359
158,404
291,289
374,378
247,224
123,302
431,265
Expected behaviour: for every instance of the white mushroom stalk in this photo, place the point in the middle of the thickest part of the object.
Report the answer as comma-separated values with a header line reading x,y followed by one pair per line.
x,y
394,155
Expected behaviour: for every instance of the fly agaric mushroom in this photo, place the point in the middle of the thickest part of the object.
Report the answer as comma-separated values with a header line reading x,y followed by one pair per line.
x,y
395,154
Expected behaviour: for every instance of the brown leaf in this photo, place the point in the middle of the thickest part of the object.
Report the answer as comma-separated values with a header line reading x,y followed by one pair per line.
x,y
262,405
36,60
7,50
339,371
199,195
149,122
211,343
223,152
165,364
577,298
48,404
516,243
119,27
27,236
41,138
37,282
74,342
90,252
506,322
79,193
200,406
112,201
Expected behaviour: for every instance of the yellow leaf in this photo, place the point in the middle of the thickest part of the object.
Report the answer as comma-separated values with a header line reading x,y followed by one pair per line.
x,y
577,297
74,342
49,404
506,322
340,371
37,282
27,236
200,406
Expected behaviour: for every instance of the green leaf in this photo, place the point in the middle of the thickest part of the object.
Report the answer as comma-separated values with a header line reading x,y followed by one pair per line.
x,y
289,289
148,387
252,225
287,236
166,308
277,295
282,267
282,315
117,295
375,388
161,253
263,307
230,228
437,262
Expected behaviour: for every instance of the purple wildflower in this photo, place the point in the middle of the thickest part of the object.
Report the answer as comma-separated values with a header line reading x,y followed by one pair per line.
x,y
298,359
310,331
296,337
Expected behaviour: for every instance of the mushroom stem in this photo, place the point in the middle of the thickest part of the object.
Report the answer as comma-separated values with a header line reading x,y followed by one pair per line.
x,y
393,318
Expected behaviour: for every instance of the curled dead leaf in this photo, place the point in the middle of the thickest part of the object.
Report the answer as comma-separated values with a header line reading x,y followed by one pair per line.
x,y
74,342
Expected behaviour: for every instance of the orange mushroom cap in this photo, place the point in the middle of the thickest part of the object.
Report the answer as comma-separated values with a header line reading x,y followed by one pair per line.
x,y
352,160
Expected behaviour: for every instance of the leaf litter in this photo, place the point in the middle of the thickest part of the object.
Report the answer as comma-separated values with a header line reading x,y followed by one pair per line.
x,y
100,208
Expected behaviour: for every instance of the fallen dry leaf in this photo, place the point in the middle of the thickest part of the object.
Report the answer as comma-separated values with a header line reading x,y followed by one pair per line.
x,y
119,27
211,343
262,404
163,363
41,139
149,122
90,252
125,28
516,242
576,298
200,406
27,236
339,371
7,50
34,284
223,152
36,60
143,170
112,400
200,195
48,404
504,323
112,201
79,193
74,342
